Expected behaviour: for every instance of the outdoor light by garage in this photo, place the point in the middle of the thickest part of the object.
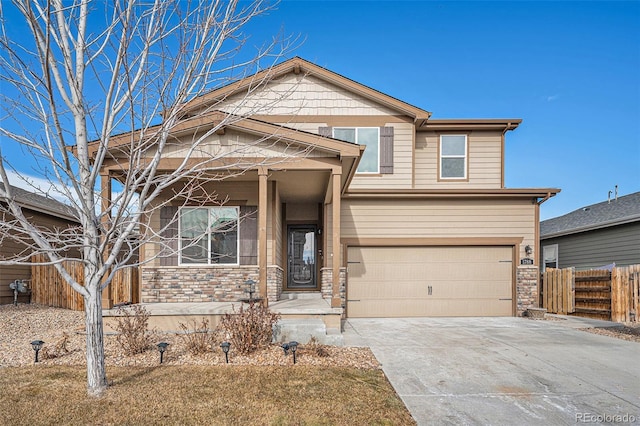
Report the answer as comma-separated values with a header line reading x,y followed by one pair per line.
x,y
162,347
225,348
37,345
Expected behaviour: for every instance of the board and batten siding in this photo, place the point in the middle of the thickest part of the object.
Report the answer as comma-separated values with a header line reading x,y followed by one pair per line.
x,y
439,219
592,249
301,95
484,156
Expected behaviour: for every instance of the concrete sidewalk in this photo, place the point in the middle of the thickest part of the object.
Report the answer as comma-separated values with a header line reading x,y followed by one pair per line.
x,y
505,371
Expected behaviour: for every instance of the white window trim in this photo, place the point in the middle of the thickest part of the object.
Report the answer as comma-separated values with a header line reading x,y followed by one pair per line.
x,y
465,157
208,208
357,129
544,263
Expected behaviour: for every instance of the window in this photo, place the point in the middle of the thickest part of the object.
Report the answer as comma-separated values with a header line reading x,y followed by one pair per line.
x,y
550,256
453,157
209,235
368,136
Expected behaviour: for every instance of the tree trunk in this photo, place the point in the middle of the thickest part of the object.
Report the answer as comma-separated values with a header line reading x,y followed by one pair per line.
x,y
96,369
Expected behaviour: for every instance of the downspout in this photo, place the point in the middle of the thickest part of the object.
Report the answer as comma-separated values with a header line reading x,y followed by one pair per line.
x,y
502,153
544,199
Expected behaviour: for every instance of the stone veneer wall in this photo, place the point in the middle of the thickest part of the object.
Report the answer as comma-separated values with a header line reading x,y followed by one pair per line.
x,y
275,277
326,284
196,284
526,288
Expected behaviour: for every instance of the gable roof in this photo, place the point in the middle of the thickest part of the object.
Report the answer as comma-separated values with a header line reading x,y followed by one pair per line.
x,y
298,65
622,210
36,202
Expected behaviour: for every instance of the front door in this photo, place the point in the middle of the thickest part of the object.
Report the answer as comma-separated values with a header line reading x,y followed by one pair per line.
x,y
302,248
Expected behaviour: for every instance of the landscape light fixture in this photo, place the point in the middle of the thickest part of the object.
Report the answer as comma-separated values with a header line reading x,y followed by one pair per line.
x,y
285,348
37,345
293,345
162,347
252,288
225,348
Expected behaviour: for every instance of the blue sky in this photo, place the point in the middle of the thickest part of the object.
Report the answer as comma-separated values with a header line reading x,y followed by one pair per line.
x,y
570,70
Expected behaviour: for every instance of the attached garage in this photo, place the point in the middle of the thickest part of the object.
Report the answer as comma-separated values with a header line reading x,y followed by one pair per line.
x,y
429,281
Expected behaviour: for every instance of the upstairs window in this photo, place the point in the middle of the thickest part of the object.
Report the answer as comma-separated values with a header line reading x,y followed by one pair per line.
x,y
453,157
208,235
368,136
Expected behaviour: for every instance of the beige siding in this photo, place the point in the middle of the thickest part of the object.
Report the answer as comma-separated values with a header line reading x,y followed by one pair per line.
x,y
301,95
439,219
279,231
485,161
235,144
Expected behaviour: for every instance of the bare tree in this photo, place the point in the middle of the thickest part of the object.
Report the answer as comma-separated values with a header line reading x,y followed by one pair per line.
x,y
84,76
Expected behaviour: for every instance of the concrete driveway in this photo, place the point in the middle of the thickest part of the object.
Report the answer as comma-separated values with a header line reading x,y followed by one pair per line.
x,y
504,371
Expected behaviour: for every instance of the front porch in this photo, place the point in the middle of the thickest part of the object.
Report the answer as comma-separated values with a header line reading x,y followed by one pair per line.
x,y
302,316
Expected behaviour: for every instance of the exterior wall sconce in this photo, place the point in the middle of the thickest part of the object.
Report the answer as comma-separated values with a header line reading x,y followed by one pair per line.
x,y
162,347
37,345
528,250
225,348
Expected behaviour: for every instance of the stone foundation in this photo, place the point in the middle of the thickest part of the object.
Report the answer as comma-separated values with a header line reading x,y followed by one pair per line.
x,y
275,281
326,285
196,284
526,288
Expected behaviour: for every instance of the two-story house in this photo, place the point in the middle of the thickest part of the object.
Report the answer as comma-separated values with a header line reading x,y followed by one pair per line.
x,y
349,193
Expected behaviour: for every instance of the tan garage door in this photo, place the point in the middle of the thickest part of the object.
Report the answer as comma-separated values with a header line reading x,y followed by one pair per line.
x,y
429,281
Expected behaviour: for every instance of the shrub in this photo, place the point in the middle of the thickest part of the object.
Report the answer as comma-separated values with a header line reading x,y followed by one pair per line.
x,y
59,348
249,329
132,326
314,347
197,338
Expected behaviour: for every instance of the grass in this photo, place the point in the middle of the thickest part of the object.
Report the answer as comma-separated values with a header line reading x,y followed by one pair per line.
x,y
190,395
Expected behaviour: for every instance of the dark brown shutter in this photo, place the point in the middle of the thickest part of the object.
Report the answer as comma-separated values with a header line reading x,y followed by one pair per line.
x,y
386,150
325,131
248,235
169,234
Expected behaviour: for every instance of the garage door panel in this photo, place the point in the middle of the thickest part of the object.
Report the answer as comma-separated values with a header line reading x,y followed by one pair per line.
x,y
395,281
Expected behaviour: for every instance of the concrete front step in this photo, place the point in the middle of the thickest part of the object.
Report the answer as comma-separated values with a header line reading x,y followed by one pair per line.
x,y
300,295
303,329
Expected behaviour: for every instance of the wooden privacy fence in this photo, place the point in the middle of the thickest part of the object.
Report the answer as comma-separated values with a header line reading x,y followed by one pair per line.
x,y
611,295
49,288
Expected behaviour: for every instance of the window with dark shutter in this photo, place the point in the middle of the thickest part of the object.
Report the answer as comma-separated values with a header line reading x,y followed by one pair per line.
x,y
248,235
386,150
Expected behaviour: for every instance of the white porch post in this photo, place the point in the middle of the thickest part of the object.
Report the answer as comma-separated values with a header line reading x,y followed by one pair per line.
x,y
262,232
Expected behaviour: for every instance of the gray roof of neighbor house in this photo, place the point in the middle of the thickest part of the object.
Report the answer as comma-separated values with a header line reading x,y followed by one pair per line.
x,y
625,209
40,203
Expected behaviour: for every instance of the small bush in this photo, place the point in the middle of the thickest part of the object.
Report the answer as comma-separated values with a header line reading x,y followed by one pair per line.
x,y
197,338
315,348
249,329
132,325
59,348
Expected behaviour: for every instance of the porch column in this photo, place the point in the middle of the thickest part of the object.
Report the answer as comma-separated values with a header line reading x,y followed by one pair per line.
x,y
262,232
105,219
335,238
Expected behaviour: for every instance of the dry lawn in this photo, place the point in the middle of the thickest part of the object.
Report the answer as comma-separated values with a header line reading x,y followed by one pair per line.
x,y
186,395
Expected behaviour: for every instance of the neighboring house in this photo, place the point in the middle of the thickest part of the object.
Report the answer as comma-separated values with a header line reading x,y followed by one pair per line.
x,y
593,236
43,212
417,224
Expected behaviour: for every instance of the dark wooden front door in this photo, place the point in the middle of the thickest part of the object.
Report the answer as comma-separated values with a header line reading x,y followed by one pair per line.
x,y
302,249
